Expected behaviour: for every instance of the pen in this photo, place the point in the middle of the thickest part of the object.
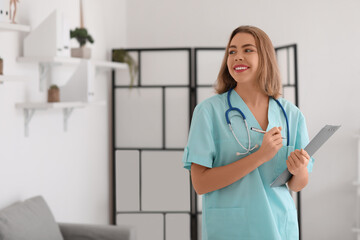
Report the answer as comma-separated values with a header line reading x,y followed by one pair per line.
x,y
260,131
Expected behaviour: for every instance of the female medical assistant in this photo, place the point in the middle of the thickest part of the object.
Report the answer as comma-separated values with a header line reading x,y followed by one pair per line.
x,y
248,208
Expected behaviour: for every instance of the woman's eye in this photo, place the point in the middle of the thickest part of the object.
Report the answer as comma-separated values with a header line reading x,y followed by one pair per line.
x,y
248,50
232,52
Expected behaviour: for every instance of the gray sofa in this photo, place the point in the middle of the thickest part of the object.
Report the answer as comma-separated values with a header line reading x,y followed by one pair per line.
x,y
33,220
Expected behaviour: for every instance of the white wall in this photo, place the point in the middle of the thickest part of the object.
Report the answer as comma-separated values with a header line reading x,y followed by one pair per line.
x,y
70,169
328,36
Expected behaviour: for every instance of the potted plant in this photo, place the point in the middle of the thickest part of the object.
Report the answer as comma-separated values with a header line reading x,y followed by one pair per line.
x,y
53,94
82,36
1,66
121,55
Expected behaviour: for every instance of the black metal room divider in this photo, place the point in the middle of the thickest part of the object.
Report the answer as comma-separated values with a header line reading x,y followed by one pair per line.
x,y
151,190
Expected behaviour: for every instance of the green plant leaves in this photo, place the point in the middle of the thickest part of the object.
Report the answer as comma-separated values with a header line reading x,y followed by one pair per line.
x,y
81,35
121,55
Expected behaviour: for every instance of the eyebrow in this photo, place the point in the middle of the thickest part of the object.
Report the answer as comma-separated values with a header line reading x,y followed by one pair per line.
x,y
243,46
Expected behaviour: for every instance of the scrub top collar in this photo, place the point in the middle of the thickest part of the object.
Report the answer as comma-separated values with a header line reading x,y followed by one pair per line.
x,y
273,112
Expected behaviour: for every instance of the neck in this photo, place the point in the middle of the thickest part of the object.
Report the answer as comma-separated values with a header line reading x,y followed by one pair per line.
x,y
251,94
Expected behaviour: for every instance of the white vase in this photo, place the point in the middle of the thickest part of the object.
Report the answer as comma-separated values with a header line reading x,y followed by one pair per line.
x,y
81,52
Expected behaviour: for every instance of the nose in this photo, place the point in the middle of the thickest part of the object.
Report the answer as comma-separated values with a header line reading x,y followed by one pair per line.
x,y
239,57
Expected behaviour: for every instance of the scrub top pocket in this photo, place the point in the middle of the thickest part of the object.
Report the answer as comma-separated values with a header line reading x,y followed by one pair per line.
x,y
226,223
280,159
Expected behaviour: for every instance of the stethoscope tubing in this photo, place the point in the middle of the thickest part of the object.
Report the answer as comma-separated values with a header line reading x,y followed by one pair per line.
x,y
231,108
287,122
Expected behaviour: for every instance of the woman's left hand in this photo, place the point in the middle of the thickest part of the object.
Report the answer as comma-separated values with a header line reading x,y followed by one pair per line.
x,y
297,161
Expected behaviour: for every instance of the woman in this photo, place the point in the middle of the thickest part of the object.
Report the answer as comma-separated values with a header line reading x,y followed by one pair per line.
x,y
233,167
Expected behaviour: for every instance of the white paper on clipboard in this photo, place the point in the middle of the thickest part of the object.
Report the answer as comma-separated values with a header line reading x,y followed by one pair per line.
x,y
320,138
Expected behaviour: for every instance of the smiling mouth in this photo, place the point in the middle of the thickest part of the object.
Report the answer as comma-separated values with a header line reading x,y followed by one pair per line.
x,y
240,68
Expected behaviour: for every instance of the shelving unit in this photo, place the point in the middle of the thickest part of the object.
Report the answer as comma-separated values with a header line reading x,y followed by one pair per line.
x,y
86,70
14,27
46,63
67,107
356,183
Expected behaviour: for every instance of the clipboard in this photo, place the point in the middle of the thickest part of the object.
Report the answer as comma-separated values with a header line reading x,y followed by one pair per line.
x,y
323,135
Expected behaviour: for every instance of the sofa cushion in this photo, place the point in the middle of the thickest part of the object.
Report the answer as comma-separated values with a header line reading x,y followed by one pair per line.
x,y
75,231
29,220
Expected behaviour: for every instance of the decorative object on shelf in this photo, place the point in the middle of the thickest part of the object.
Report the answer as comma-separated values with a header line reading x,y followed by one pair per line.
x,y
1,66
81,85
13,11
82,36
50,38
54,94
121,55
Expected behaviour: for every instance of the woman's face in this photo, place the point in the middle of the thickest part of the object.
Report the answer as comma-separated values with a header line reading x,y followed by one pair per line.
x,y
243,58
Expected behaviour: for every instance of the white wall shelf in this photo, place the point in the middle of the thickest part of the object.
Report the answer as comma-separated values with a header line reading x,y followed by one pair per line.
x,y
46,63
11,78
72,61
45,59
14,27
67,107
109,65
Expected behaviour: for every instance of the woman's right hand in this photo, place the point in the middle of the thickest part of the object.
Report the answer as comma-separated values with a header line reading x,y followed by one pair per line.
x,y
271,144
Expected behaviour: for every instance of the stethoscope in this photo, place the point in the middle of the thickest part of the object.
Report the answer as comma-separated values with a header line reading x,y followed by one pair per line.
x,y
249,148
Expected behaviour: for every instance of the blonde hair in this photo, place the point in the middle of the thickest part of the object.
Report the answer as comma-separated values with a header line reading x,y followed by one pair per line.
x,y
268,75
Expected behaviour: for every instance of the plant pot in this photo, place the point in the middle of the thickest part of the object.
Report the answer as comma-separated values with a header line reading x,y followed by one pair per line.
x,y
1,66
82,52
53,95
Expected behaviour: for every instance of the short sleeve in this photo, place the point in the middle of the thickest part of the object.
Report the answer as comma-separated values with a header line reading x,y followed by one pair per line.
x,y
302,138
200,147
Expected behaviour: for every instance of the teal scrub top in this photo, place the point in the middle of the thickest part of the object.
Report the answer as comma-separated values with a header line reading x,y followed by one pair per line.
x,y
249,208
